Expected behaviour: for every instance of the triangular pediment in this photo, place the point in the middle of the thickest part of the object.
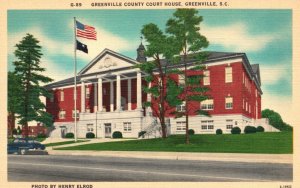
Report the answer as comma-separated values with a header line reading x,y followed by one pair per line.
x,y
107,60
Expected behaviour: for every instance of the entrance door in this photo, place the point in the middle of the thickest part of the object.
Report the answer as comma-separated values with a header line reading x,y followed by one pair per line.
x,y
107,130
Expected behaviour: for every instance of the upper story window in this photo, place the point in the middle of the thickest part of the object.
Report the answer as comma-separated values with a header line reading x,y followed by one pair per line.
x,y
228,74
62,95
206,78
207,104
181,79
228,102
62,114
181,108
246,106
87,93
127,126
51,98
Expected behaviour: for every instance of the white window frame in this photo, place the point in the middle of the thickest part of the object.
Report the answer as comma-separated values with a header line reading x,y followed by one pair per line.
x,y
181,79
206,77
62,95
62,114
207,125
180,126
181,108
229,124
228,74
246,106
127,126
90,127
73,113
207,104
228,102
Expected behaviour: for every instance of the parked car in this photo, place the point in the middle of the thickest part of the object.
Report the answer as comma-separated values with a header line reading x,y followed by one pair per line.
x,y
22,145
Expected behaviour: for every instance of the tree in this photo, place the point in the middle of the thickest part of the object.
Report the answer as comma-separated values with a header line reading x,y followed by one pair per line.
x,y
159,47
184,27
13,98
275,120
28,68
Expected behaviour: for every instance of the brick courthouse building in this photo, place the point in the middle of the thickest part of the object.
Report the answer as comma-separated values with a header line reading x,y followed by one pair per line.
x,y
110,98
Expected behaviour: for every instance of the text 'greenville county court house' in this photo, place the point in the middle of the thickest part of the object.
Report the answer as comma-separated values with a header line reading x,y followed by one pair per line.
x,y
110,98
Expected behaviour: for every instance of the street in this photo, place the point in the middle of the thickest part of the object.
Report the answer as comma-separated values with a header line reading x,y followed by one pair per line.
x,y
68,168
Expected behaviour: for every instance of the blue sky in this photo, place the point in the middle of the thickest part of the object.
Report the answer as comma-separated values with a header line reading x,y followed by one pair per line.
x,y
264,35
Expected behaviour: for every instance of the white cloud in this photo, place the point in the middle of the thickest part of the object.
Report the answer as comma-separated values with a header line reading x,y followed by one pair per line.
x,y
49,45
271,74
54,70
55,47
236,37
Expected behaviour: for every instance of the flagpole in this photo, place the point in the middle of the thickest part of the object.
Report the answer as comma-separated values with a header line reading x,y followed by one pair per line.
x,y
75,81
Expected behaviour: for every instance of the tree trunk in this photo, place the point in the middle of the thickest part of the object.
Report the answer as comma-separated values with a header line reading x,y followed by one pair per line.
x,y
11,123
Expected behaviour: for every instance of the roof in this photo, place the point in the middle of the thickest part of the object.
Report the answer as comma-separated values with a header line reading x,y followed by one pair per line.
x,y
212,56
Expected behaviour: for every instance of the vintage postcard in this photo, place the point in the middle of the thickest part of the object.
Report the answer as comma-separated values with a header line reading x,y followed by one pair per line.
x,y
150,93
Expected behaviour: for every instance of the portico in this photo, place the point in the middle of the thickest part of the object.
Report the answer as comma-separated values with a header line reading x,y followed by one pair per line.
x,y
115,91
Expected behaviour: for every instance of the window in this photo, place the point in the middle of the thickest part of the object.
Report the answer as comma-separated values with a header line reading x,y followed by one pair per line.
x,y
206,78
249,108
207,125
246,106
243,103
181,108
181,79
228,103
180,126
87,93
90,127
207,104
62,95
73,113
127,126
62,114
229,123
228,74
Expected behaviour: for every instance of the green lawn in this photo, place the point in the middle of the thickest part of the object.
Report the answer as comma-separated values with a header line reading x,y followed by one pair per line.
x,y
227,143
64,143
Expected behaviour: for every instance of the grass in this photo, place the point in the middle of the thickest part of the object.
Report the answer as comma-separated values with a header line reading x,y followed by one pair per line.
x,y
64,143
273,143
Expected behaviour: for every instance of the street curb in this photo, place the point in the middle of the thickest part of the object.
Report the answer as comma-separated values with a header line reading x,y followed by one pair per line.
x,y
230,157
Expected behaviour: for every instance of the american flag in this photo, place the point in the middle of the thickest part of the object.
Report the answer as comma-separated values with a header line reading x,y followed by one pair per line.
x,y
85,31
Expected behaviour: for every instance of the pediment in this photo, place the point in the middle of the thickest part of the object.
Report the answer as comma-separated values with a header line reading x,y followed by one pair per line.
x,y
107,60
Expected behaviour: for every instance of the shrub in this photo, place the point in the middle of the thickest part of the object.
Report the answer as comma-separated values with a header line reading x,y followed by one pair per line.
x,y
41,135
90,135
260,129
191,132
117,134
235,130
141,133
219,131
69,135
249,129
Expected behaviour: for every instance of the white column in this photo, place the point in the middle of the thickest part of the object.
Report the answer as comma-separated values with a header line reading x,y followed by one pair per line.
x,y
139,91
111,93
95,98
100,99
149,110
82,97
129,93
118,100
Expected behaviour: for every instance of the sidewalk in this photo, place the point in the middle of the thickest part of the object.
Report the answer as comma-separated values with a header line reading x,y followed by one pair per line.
x,y
233,157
